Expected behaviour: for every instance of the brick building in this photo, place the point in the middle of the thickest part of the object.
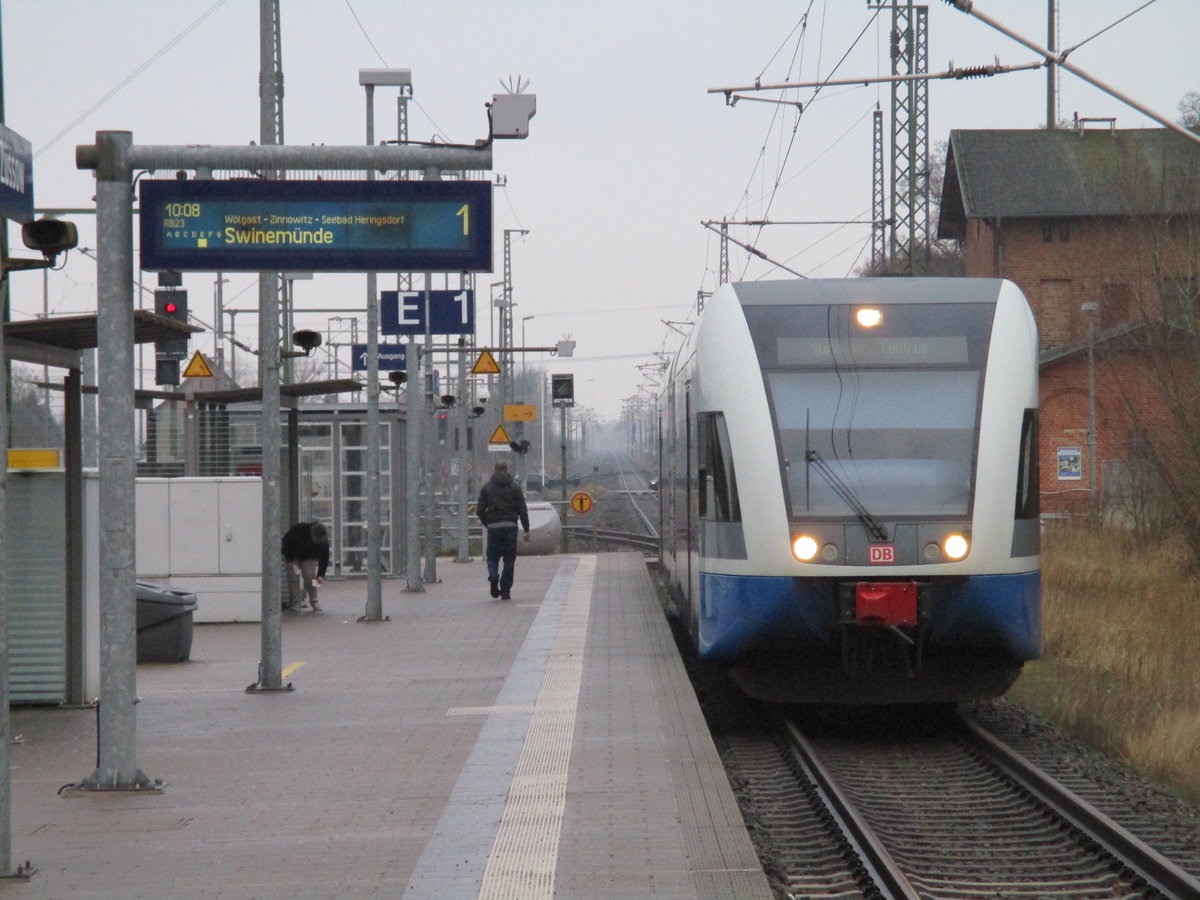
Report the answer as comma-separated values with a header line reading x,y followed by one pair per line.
x,y
1101,230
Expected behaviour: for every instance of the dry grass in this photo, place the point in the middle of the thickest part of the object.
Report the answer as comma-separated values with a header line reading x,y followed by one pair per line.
x,y
1121,661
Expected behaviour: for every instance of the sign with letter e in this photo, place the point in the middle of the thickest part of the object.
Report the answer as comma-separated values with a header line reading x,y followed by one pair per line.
x,y
450,312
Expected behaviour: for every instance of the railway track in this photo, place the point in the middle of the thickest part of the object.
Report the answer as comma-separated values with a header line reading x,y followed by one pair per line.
x,y
951,813
626,512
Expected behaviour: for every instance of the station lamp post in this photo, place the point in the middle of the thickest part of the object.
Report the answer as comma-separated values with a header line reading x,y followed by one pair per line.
x,y
1091,309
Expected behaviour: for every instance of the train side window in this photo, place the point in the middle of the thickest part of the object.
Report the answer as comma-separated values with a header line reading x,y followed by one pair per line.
x,y
718,486
1028,482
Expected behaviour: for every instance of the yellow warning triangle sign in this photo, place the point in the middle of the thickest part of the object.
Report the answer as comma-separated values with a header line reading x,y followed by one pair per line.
x,y
485,365
198,367
499,436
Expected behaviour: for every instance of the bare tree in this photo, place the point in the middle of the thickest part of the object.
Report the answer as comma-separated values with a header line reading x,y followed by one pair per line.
x,y
1148,284
1189,110
32,422
945,258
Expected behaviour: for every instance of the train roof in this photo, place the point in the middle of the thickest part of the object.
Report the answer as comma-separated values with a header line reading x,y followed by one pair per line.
x,y
867,290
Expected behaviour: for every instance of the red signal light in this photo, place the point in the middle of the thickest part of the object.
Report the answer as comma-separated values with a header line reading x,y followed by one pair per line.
x,y
170,308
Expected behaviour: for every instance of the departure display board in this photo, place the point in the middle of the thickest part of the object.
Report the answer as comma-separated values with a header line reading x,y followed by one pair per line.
x,y
316,226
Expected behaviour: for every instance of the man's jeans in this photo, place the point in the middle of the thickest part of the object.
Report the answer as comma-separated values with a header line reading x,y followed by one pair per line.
x,y
502,545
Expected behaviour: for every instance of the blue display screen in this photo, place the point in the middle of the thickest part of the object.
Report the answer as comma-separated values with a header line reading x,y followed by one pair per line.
x,y
316,226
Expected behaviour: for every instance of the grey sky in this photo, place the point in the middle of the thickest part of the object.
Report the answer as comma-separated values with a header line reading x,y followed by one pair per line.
x,y
627,154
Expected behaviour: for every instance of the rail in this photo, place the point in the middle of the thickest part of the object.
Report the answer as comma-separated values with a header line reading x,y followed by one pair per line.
x,y
1154,868
1026,808
645,542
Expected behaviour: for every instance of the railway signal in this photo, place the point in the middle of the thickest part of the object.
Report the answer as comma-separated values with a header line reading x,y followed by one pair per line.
x,y
170,304
562,390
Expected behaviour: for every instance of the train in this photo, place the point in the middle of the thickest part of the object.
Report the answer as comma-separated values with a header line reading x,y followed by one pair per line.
x,y
848,483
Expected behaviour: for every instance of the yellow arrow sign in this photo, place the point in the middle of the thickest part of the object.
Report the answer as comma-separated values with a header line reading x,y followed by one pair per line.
x,y
485,365
520,412
198,367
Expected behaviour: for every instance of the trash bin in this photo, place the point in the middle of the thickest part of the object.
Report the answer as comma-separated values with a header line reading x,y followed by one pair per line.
x,y
164,623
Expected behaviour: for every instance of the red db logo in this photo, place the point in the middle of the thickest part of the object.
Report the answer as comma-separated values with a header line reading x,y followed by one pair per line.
x,y
881,553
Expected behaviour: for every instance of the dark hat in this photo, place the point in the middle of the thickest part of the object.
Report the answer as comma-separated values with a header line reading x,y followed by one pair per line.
x,y
501,466
318,533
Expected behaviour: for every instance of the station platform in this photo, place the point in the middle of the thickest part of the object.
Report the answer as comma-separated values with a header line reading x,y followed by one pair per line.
x,y
546,746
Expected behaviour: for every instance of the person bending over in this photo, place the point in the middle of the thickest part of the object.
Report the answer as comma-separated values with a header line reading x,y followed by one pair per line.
x,y
305,551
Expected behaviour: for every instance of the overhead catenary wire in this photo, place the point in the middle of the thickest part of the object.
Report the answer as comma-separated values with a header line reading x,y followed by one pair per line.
x,y
158,54
772,193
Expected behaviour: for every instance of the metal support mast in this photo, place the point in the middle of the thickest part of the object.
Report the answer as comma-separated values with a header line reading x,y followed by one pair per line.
x,y
1051,69
910,139
270,76
878,192
724,252
270,664
506,320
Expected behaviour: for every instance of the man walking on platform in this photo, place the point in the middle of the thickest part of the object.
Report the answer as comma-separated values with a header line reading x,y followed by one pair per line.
x,y
500,506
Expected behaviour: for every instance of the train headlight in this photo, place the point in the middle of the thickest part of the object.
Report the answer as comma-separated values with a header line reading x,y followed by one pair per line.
x,y
805,548
868,317
956,546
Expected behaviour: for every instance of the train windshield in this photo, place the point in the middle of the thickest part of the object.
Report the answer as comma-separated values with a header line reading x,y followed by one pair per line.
x,y
883,398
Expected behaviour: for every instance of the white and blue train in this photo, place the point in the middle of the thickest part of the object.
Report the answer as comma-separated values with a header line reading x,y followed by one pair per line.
x,y
849,488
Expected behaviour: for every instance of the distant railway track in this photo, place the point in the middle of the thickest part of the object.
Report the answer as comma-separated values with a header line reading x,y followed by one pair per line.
x,y
644,542
956,815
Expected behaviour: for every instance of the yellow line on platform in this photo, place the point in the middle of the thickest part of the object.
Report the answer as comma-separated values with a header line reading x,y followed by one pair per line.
x,y
292,668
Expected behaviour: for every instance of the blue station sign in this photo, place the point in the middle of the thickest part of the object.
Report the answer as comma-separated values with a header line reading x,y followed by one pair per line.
x,y
392,357
404,312
16,177
316,226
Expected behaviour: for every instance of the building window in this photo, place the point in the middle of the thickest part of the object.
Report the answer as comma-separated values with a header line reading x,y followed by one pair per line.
x,y
1179,301
1115,303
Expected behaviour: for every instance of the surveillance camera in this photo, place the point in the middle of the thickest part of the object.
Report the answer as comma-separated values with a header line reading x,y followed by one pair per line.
x,y
308,341
397,377
477,411
447,399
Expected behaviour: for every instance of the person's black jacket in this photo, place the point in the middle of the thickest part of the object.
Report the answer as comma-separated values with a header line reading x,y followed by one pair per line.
x,y
501,500
298,544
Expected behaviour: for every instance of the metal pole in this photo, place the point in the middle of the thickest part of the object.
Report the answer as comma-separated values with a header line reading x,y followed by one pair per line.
x,y
460,454
374,609
427,456
117,718
5,775
1059,59
1091,310
413,394
562,438
1051,71
270,666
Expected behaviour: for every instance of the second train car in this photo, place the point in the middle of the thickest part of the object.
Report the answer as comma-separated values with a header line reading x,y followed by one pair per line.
x,y
849,488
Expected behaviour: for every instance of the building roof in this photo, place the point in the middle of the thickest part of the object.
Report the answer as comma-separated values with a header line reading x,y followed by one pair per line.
x,y
994,174
58,340
79,332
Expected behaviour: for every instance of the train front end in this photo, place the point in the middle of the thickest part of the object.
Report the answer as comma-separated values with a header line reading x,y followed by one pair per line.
x,y
892,540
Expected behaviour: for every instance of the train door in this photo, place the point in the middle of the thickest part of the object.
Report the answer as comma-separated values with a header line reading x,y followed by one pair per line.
x,y
688,497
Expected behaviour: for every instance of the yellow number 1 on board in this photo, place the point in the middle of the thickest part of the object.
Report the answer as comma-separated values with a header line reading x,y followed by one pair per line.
x,y
465,212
